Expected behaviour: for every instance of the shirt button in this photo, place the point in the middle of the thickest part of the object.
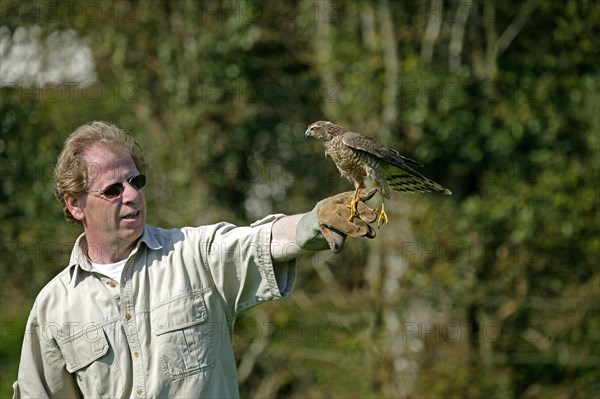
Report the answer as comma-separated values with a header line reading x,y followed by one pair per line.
x,y
139,391
128,316
136,354
112,284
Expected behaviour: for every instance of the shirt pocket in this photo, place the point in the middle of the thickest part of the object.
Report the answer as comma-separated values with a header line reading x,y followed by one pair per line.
x,y
184,335
91,359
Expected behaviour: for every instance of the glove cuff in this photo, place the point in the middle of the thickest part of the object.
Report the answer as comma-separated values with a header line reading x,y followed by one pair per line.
x,y
308,232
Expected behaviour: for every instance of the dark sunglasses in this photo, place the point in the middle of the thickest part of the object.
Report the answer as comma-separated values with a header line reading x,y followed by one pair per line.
x,y
116,189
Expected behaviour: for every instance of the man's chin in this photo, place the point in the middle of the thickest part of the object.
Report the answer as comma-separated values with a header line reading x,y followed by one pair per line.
x,y
131,233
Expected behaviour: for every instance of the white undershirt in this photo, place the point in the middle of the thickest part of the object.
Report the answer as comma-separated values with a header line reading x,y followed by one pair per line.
x,y
112,270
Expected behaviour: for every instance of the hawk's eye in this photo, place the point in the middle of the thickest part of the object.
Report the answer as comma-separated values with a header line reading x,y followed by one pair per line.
x,y
313,129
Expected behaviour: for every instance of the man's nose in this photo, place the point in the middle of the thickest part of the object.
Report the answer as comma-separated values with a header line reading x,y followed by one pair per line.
x,y
131,193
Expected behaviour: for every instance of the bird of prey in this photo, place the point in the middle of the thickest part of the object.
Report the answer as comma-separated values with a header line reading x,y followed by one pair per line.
x,y
358,156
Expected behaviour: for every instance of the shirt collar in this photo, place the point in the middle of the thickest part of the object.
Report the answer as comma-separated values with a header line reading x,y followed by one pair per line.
x,y
79,258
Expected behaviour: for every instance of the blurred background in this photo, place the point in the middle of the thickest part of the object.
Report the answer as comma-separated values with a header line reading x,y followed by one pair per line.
x,y
493,292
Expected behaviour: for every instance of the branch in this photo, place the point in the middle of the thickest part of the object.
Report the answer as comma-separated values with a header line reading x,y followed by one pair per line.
x,y
334,290
390,52
515,27
457,35
434,25
323,48
367,24
251,355
497,47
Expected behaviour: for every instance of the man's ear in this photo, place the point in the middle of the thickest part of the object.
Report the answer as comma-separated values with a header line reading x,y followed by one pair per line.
x,y
74,205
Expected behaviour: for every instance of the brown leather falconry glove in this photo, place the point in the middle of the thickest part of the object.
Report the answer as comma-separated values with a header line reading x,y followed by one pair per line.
x,y
327,225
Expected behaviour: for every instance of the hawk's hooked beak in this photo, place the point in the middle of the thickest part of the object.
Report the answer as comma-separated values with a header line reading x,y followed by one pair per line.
x,y
308,133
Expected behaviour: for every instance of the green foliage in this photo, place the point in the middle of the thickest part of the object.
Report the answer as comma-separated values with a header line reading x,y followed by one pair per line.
x,y
490,293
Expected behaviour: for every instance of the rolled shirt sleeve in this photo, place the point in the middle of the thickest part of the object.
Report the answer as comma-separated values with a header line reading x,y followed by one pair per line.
x,y
247,249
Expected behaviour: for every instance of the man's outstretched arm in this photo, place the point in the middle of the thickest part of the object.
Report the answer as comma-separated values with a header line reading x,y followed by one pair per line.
x,y
326,226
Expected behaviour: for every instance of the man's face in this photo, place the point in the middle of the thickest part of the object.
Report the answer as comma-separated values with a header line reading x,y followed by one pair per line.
x,y
112,226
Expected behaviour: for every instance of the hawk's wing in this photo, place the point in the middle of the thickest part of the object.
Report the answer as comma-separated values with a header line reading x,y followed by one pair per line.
x,y
374,147
400,176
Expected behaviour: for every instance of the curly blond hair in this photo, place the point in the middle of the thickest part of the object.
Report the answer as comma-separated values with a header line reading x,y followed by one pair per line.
x,y
71,174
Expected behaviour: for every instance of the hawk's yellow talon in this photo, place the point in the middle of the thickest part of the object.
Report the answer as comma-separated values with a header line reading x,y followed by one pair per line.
x,y
383,217
353,208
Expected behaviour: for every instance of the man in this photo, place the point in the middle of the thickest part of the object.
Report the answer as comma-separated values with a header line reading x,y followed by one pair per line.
x,y
147,312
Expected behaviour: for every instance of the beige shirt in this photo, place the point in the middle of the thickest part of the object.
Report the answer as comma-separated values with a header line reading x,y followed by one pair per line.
x,y
164,330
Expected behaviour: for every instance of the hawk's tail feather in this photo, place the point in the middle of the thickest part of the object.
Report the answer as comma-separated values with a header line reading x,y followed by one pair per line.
x,y
400,180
